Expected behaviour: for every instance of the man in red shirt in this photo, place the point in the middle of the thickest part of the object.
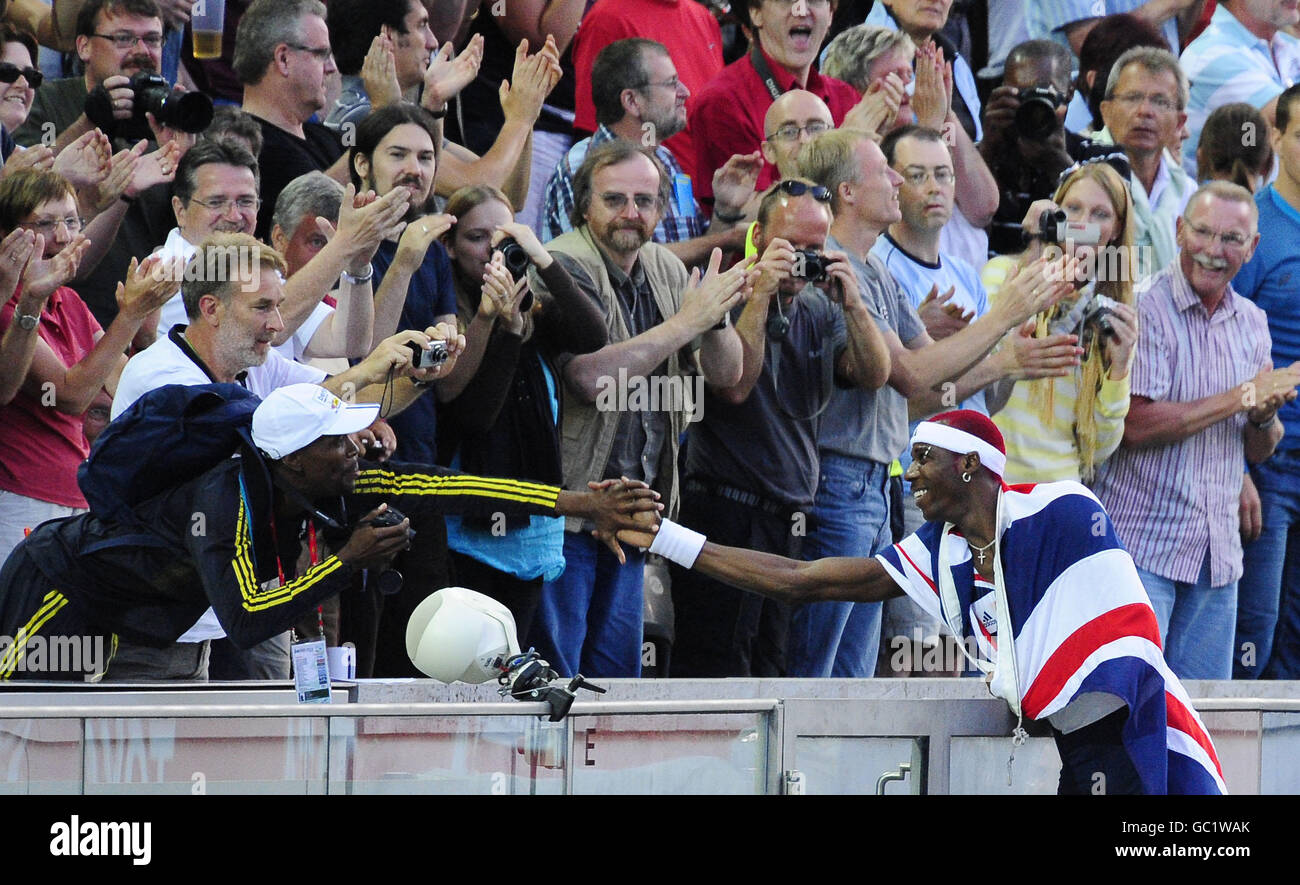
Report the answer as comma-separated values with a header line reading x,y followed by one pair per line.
x,y
727,117
685,27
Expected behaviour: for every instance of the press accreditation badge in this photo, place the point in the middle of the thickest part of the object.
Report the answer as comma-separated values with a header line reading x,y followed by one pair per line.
x,y
311,675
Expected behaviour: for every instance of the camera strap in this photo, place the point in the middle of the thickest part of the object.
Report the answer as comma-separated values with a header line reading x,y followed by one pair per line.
x,y
828,370
764,70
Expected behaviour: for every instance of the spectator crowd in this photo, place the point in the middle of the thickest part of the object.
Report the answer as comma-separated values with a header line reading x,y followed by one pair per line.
x,y
735,254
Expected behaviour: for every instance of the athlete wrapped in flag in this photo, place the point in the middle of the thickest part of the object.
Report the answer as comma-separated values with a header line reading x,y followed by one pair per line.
x,y
1042,560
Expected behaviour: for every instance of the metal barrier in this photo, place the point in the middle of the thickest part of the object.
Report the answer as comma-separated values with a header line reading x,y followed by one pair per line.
x,y
861,737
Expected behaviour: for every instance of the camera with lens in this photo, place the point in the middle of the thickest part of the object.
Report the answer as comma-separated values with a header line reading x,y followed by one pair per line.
x,y
1036,116
186,111
1054,228
432,358
1096,319
516,260
811,266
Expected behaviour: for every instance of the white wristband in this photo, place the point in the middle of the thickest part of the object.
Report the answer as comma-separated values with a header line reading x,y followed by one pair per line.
x,y
677,543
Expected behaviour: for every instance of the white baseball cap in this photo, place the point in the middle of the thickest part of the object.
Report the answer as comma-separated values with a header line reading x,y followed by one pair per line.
x,y
297,415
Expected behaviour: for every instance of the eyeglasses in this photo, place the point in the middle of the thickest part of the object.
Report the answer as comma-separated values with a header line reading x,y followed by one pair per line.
x,y
799,188
1230,239
46,227
1160,102
223,204
812,4
671,83
618,202
125,40
9,73
321,54
790,132
916,176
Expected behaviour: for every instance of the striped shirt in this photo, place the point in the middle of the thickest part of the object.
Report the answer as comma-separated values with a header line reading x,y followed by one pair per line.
x,y
1039,451
681,218
1047,18
1228,63
1171,503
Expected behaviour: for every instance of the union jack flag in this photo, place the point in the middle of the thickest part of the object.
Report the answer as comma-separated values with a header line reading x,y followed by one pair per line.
x,y
1082,623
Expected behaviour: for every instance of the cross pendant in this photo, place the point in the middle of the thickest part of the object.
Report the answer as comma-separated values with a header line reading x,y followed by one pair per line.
x,y
980,553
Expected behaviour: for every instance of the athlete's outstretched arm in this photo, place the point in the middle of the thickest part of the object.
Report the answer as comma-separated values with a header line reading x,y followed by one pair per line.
x,y
851,579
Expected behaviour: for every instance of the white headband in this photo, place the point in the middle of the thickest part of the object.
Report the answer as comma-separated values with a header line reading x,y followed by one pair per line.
x,y
945,436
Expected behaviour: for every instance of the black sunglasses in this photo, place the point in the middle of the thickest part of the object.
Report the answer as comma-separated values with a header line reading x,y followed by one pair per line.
x,y
9,73
799,188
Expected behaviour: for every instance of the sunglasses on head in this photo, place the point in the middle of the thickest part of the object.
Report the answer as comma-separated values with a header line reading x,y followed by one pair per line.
x,y
799,188
9,73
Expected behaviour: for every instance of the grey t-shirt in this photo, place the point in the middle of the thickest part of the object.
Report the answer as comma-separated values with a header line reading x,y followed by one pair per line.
x,y
871,424
759,446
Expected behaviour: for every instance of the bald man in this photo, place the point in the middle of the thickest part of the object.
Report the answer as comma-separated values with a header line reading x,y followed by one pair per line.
x,y
793,120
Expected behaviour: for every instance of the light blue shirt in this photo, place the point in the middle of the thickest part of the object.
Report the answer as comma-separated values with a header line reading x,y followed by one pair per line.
x,y
915,278
1046,18
1228,63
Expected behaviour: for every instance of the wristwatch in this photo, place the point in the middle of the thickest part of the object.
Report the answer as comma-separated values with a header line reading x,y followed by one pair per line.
x,y
356,279
1265,425
27,321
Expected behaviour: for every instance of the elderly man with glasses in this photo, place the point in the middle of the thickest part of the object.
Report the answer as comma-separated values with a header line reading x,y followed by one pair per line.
x,y
1205,397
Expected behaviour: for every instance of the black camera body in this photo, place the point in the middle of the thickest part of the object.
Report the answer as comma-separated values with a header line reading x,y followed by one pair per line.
x,y
815,266
186,111
1036,117
516,260
390,517
514,257
432,358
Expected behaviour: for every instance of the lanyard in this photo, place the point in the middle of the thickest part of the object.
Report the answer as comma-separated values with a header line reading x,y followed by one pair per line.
x,y
311,555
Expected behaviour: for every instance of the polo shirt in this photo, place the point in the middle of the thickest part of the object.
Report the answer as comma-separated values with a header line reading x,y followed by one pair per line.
x,y
169,360
1228,63
729,111
688,30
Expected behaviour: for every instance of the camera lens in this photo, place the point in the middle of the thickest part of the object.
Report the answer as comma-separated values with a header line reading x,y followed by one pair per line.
x,y
514,257
1036,116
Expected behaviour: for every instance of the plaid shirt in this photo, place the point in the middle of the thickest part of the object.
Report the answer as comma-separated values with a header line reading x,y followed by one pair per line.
x,y
681,219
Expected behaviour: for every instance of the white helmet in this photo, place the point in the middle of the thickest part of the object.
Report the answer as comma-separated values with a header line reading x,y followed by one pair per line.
x,y
458,634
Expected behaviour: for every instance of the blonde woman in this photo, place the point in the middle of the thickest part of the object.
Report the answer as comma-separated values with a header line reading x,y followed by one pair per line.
x,y
1064,428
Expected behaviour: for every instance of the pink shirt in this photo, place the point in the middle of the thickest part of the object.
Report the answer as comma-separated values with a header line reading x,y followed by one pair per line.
x,y
41,447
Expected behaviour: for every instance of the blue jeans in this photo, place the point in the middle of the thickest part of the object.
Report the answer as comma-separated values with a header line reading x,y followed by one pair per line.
x,y
1268,598
589,619
1196,623
850,517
